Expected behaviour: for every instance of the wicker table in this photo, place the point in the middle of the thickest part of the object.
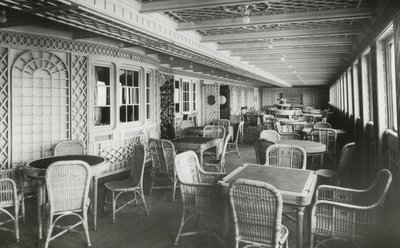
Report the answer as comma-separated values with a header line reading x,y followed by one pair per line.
x,y
296,187
311,147
307,131
37,169
196,144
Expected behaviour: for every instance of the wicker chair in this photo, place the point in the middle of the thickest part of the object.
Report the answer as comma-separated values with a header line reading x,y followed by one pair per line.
x,y
221,122
285,134
260,147
233,145
270,135
350,215
134,184
214,132
17,175
257,214
236,118
199,189
67,184
219,163
345,161
69,147
162,153
269,123
321,125
185,124
328,137
9,199
291,156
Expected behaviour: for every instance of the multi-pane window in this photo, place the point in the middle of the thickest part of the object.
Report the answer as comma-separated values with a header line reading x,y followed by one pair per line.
x,y
391,85
194,96
148,95
177,96
130,96
102,94
366,86
186,96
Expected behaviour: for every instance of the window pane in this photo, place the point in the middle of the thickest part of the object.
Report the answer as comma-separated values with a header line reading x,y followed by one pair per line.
x,y
129,96
102,96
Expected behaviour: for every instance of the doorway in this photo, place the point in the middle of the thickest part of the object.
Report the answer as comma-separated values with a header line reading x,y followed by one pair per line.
x,y
224,103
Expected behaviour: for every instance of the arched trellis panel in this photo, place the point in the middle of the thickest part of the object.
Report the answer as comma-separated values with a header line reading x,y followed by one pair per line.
x,y
40,104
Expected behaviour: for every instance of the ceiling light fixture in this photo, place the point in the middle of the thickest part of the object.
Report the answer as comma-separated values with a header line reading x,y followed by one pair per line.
x,y
282,57
245,10
3,17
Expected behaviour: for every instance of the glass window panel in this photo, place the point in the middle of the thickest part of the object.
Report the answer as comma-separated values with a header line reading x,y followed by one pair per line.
x,y
102,96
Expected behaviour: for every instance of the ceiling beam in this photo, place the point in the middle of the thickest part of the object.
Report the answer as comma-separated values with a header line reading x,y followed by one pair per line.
x,y
287,43
176,5
304,61
277,19
299,51
304,32
290,57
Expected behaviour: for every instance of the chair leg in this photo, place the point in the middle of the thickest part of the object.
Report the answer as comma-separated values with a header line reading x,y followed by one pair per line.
x,y
114,202
23,208
144,201
180,228
49,231
152,177
174,190
16,224
86,227
237,150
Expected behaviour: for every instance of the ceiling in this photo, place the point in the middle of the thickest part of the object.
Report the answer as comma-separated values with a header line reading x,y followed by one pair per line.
x,y
258,43
303,42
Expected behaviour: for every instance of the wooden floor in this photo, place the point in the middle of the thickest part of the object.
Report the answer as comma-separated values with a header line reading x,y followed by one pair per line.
x,y
132,227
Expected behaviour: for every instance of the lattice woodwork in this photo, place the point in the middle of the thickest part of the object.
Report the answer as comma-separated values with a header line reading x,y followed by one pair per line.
x,y
79,98
4,107
211,112
40,106
119,152
63,45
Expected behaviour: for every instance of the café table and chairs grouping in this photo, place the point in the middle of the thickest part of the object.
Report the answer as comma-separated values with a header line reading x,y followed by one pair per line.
x,y
249,202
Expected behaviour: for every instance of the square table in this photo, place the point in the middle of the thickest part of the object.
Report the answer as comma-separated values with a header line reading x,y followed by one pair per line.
x,y
196,144
295,185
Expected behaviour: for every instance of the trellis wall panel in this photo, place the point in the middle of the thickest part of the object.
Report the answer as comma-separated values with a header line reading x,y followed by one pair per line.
x,y
79,97
40,103
4,108
211,112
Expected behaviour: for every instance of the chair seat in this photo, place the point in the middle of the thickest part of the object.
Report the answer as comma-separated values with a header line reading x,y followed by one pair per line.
x,y
326,173
124,185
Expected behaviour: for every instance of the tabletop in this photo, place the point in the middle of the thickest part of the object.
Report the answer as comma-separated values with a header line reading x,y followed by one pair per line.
x,y
307,130
296,186
311,147
291,122
190,143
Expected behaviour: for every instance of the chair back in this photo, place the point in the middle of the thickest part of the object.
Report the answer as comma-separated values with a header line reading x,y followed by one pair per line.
x,y
322,125
67,184
8,193
14,174
138,162
290,156
153,134
270,135
324,119
380,187
221,122
214,132
260,147
162,154
187,167
69,147
236,118
345,161
325,136
309,119
222,155
239,131
257,211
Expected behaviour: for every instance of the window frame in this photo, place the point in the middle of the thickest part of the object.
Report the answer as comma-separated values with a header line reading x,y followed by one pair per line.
x,y
112,69
149,112
391,94
140,95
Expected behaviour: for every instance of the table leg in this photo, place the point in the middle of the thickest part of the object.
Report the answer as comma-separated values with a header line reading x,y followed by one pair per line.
x,y
300,218
40,201
94,202
201,158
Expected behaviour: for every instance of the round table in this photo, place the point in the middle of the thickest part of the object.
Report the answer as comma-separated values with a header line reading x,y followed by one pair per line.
x,y
311,147
292,122
37,169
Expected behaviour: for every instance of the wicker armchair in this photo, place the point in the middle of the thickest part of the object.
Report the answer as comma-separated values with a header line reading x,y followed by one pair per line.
x,y
345,161
162,153
270,135
260,147
285,134
17,175
233,145
350,215
328,137
214,132
69,147
67,184
134,184
219,163
257,214
199,189
9,199
321,125
291,156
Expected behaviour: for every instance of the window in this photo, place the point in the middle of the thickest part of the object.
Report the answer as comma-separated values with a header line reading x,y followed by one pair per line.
x,y
186,96
366,87
177,96
148,95
129,101
194,96
102,94
391,85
